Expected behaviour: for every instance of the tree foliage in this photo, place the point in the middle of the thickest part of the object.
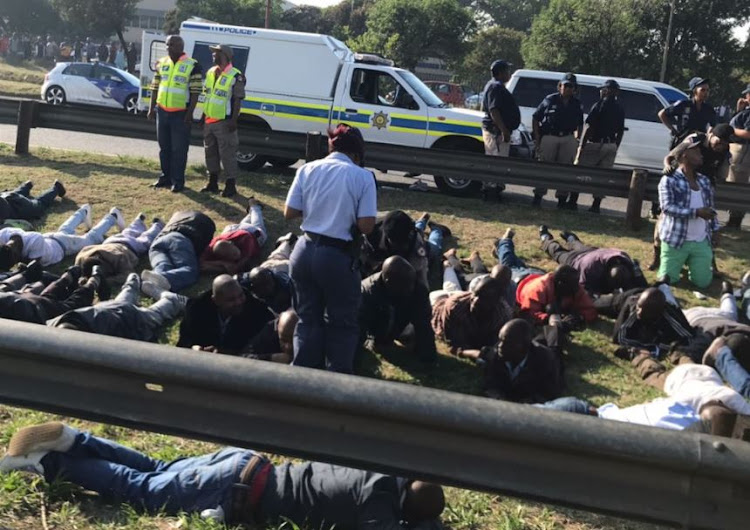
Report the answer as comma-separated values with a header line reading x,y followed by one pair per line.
x,y
29,16
97,18
484,47
626,38
236,12
513,14
409,30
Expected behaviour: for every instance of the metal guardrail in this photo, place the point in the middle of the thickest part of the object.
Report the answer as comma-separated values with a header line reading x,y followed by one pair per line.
x,y
450,164
682,479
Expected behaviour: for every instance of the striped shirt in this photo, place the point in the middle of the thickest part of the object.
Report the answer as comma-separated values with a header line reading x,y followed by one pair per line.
x,y
674,199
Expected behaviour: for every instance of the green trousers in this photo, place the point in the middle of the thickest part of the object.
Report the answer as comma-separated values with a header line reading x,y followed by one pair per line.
x,y
696,254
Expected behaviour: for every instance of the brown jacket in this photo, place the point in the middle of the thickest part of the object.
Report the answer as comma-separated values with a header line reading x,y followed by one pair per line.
x,y
117,260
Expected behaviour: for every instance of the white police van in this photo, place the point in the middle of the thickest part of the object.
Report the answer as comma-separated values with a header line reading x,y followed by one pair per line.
x,y
646,140
301,82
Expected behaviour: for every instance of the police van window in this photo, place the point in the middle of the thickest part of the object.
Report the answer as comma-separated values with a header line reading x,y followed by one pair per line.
x,y
588,96
378,88
82,70
640,105
202,54
156,52
530,91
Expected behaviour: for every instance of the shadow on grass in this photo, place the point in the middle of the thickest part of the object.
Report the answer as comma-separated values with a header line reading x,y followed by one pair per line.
x,y
78,170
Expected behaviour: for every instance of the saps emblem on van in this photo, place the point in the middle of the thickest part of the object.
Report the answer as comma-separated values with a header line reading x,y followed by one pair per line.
x,y
380,120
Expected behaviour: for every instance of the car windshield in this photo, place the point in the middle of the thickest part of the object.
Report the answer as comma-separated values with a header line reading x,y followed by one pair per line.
x,y
130,78
424,92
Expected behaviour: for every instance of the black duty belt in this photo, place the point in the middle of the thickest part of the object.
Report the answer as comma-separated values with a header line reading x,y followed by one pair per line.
x,y
603,141
559,133
320,239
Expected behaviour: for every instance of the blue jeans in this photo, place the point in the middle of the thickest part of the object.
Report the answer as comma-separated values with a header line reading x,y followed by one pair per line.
x,y
506,255
172,255
326,299
434,241
732,372
566,404
173,135
117,472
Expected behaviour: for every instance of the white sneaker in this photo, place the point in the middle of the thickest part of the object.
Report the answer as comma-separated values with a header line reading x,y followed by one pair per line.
x,y
152,290
179,299
119,219
88,222
51,436
31,463
154,277
214,514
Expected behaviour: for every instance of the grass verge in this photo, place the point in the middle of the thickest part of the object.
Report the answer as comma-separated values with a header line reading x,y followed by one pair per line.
x,y
592,371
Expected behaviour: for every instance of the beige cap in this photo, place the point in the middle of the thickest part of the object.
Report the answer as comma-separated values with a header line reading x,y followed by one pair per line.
x,y
223,48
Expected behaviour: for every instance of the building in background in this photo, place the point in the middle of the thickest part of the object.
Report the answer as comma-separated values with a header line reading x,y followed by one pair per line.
x,y
432,69
149,15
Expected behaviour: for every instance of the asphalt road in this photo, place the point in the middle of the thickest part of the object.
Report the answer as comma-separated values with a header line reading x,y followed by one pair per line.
x,y
108,145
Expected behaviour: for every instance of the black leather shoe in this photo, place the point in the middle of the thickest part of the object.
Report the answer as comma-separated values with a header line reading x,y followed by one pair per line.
x,y
544,232
161,183
59,188
177,188
230,190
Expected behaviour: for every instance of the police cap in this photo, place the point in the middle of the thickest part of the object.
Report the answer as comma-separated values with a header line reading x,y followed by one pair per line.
x,y
747,90
611,84
569,79
500,66
223,48
698,81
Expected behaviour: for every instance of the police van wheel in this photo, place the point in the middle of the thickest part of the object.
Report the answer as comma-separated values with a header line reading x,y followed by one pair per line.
x,y
458,187
131,104
281,163
55,95
250,161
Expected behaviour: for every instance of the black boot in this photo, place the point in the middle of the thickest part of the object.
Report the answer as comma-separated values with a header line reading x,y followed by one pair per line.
x,y
230,190
162,182
212,186
572,203
596,205
735,219
537,201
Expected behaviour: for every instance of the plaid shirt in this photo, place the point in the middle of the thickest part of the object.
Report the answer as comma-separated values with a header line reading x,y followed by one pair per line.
x,y
674,199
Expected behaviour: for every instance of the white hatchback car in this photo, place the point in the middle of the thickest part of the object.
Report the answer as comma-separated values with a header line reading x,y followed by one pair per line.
x,y
91,84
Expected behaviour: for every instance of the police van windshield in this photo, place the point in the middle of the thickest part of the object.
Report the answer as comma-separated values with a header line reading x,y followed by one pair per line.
x,y
424,92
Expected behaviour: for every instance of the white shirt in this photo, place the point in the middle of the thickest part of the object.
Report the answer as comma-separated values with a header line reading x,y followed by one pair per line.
x,y
697,384
696,229
332,194
667,413
35,246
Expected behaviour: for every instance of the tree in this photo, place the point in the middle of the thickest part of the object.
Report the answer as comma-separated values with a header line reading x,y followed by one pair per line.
x,y
302,18
343,22
30,16
484,47
98,18
236,12
626,38
589,36
408,30
514,14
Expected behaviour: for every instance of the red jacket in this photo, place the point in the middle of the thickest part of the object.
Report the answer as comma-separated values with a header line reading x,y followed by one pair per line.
x,y
536,292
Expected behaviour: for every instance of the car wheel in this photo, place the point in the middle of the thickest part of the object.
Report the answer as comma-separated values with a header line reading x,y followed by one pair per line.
x,y
131,104
55,95
250,161
457,187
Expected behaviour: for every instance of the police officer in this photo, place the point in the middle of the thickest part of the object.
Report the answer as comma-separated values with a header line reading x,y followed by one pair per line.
x,y
224,90
177,85
501,113
744,101
602,133
739,149
555,122
336,199
690,115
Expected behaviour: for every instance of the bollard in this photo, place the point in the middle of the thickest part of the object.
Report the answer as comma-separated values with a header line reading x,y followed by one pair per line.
x,y
316,146
23,129
635,199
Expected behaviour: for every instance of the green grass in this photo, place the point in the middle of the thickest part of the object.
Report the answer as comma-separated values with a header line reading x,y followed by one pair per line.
x,y
22,78
592,371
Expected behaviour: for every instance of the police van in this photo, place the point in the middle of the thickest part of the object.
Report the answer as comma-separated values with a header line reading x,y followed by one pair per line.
x,y
646,140
301,82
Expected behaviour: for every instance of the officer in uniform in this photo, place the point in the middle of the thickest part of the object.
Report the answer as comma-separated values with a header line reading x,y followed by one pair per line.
x,y
501,113
602,134
690,115
336,199
555,122
224,90
739,149
177,85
